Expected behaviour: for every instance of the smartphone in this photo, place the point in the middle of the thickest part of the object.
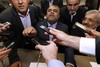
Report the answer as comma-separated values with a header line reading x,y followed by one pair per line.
x,y
46,29
39,41
82,27
10,45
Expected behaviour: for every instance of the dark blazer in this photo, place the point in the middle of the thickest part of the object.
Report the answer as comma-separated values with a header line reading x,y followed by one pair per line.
x,y
2,8
69,54
45,4
17,28
98,50
66,17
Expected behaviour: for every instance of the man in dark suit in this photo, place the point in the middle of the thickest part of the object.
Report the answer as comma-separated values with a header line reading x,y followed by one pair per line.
x,y
22,17
53,14
2,8
72,13
46,3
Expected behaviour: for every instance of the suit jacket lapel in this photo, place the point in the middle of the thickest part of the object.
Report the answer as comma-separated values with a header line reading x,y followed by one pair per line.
x,y
58,26
45,24
32,16
17,18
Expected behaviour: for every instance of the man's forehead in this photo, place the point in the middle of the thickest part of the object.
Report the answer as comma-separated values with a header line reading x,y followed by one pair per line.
x,y
53,7
73,1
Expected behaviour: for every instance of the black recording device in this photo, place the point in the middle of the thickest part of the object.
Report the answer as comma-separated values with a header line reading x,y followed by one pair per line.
x,y
10,45
82,27
45,28
39,41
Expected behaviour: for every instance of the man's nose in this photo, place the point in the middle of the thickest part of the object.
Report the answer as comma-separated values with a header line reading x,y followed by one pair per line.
x,y
20,1
72,7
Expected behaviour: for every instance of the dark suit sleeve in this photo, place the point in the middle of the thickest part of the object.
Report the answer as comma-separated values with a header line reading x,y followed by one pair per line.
x,y
98,50
13,56
69,56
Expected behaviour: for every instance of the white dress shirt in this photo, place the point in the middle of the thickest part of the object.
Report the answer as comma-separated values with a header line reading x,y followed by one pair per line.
x,y
87,46
55,63
26,21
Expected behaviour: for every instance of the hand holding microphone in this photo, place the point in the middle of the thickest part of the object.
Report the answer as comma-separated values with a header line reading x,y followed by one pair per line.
x,y
4,26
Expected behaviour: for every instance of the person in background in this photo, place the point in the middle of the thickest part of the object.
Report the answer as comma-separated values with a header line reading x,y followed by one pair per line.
x,y
52,16
87,5
22,16
37,10
72,13
91,20
46,3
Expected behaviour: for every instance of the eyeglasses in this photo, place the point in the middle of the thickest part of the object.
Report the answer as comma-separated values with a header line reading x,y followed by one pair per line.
x,y
89,19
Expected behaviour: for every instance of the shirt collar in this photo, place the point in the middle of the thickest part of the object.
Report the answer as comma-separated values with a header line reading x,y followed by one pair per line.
x,y
73,13
23,15
52,25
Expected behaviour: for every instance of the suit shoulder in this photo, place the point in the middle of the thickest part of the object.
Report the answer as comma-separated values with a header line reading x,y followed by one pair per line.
x,y
6,11
41,22
6,15
63,24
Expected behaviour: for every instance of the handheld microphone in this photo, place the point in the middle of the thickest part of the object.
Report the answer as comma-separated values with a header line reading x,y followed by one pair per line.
x,y
45,29
82,27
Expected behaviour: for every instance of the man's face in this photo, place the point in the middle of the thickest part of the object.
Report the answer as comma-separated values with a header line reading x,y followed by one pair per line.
x,y
73,5
53,13
90,21
21,5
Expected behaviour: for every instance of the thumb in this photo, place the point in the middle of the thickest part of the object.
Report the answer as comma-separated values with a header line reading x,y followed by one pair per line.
x,y
38,47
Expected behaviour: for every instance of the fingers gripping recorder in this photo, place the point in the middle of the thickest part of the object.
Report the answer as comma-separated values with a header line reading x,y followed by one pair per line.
x,y
38,42
45,28
5,26
10,45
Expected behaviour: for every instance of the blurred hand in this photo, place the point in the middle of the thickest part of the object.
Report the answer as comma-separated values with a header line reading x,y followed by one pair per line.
x,y
4,26
1,27
16,64
58,36
4,53
49,52
94,34
68,65
30,31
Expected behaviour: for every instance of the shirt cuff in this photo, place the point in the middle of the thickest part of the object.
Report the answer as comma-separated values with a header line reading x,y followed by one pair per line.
x,y
87,46
55,63
70,64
